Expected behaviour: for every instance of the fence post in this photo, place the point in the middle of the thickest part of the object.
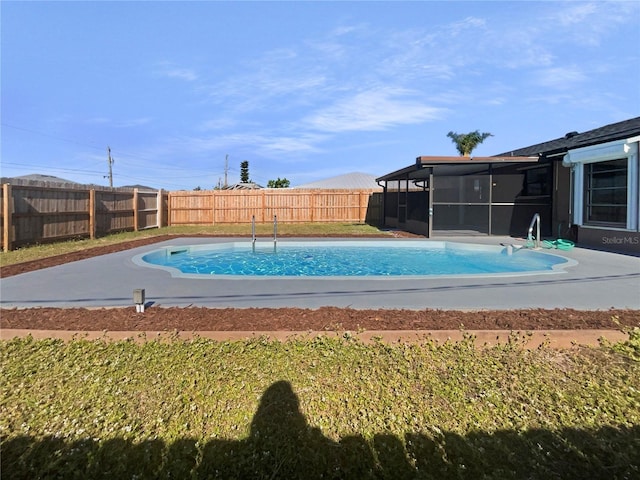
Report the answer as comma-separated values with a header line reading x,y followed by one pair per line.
x,y
213,207
364,202
7,210
168,209
159,209
92,214
135,210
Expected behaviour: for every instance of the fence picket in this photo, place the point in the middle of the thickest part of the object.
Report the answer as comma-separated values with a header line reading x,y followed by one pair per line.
x,y
37,213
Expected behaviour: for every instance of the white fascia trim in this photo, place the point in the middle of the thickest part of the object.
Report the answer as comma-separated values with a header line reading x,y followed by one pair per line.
x,y
633,188
602,152
578,194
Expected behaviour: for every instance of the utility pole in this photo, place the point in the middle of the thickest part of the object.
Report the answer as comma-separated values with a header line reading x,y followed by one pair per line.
x,y
110,161
226,169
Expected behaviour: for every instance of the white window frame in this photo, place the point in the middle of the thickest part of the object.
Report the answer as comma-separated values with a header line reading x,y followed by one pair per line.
x,y
579,157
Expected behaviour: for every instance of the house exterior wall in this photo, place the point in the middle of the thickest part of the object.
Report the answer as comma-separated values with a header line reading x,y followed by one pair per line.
x,y
609,240
561,201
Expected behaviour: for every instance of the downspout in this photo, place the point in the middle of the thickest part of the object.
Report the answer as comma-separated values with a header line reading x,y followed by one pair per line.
x,y
566,162
382,218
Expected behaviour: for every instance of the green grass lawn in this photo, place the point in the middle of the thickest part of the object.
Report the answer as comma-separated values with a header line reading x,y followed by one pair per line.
x,y
322,408
36,252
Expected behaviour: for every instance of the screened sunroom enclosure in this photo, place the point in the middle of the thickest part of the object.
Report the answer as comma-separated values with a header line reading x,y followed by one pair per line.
x,y
468,196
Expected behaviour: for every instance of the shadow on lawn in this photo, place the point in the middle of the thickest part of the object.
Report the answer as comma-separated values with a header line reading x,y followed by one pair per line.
x,y
283,445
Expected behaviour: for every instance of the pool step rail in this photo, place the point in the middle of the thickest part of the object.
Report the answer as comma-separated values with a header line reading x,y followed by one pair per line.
x,y
253,231
534,242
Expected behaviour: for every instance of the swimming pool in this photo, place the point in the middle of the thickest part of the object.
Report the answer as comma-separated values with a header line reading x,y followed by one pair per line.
x,y
362,259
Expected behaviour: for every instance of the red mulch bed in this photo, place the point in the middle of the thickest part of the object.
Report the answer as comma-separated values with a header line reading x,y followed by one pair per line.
x,y
297,319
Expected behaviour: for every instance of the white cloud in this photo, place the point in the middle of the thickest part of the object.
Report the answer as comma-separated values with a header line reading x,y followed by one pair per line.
x,y
125,123
364,78
589,23
217,124
98,120
294,144
574,14
377,109
560,77
551,99
275,145
182,74
338,43
463,26
133,122
263,84
168,69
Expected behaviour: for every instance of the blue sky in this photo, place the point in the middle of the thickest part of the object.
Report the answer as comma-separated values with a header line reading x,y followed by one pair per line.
x,y
301,90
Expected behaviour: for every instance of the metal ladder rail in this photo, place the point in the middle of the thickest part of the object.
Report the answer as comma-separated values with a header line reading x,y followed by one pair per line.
x,y
253,231
534,221
275,231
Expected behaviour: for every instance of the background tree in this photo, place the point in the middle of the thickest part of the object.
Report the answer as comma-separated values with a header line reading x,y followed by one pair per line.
x,y
244,172
279,183
467,142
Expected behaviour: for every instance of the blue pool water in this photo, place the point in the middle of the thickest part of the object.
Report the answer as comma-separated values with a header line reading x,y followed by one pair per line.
x,y
348,258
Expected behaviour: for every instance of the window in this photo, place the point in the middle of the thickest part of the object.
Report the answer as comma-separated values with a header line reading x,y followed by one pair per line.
x,y
605,200
537,181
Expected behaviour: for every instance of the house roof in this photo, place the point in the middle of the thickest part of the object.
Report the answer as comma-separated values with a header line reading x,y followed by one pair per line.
x,y
243,186
139,187
607,133
348,181
417,170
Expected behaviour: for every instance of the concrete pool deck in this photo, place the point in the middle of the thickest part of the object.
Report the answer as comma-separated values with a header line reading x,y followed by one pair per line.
x,y
599,281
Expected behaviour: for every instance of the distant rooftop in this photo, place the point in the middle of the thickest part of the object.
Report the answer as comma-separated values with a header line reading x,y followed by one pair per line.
x,y
348,181
37,177
243,186
139,187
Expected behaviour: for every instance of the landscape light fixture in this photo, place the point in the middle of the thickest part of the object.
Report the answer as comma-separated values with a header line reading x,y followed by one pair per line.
x,y
138,299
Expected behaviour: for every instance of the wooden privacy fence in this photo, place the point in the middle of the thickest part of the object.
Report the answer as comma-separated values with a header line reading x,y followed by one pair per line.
x,y
289,205
39,214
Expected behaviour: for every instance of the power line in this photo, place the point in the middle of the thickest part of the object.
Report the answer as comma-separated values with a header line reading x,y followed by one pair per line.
x,y
196,173
83,171
44,134
121,153
60,169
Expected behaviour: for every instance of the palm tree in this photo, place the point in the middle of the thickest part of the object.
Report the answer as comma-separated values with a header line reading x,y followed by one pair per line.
x,y
467,142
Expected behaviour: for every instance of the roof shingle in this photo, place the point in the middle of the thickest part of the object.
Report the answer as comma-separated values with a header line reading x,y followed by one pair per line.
x,y
572,140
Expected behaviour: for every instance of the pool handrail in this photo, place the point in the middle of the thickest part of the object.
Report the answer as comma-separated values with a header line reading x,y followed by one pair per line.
x,y
536,240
